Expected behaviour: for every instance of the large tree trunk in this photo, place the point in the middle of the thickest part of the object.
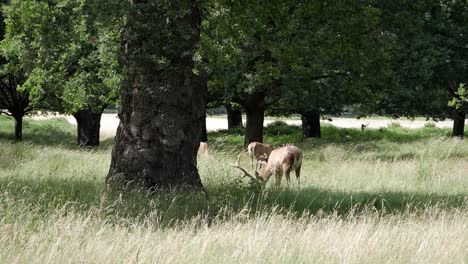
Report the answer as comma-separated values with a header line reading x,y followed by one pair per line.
x,y
234,116
88,126
18,127
458,124
204,135
311,124
201,86
162,111
255,110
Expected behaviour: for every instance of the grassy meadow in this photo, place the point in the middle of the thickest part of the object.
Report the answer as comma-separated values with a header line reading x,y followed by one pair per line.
x,y
391,195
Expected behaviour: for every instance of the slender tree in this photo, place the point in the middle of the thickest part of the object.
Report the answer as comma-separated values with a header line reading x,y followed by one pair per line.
x,y
14,101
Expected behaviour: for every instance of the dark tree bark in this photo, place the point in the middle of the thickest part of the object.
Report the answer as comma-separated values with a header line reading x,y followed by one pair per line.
x,y
254,106
201,86
459,124
161,111
204,135
311,125
18,127
234,116
88,127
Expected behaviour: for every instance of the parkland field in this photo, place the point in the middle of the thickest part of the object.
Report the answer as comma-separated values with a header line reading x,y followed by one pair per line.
x,y
390,195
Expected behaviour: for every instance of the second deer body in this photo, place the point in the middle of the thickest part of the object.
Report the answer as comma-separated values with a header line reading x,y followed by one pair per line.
x,y
258,152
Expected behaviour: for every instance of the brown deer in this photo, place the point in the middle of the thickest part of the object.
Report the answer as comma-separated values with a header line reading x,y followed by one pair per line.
x,y
258,152
281,161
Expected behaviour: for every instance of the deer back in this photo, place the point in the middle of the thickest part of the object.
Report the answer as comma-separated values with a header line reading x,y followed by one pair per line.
x,y
286,158
259,150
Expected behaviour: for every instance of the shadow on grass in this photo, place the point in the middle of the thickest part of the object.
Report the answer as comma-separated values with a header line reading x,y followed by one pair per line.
x,y
224,202
58,132
392,143
53,132
282,134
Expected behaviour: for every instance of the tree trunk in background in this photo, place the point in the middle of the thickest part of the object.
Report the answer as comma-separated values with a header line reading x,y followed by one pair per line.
x,y
18,127
88,126
459,124
204,134
234,116
311,125
161,111
255,110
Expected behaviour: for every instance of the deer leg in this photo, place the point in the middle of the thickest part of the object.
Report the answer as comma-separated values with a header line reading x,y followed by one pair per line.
x,y
278,177
288,179
298,176
286,170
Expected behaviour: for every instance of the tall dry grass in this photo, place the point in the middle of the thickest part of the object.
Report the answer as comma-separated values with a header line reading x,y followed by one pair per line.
x,y
430,236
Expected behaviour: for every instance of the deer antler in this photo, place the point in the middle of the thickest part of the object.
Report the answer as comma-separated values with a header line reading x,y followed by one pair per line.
x,y
238,158
246,174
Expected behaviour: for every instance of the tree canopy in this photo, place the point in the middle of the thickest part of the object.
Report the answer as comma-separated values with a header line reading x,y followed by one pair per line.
x,y
429,60
69,51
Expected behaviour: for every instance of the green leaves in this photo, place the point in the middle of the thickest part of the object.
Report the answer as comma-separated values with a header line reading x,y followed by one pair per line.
x,y
313,55
429,60
460,98
69,51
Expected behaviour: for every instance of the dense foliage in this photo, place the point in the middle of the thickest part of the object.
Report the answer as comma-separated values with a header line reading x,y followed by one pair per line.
x,y
68,51
429,62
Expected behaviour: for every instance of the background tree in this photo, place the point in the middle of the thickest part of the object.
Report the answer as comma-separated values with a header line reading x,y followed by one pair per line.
x,y
70,56
330,57
237,41
234,115
317,57
14,100
429,60
162,109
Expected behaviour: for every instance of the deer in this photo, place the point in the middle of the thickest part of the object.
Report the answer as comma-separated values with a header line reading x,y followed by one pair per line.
x,y
203,149
364,126
258,152
281,161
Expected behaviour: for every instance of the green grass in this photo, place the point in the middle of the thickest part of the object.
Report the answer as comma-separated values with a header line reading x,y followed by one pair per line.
x,y
389,169
387,182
